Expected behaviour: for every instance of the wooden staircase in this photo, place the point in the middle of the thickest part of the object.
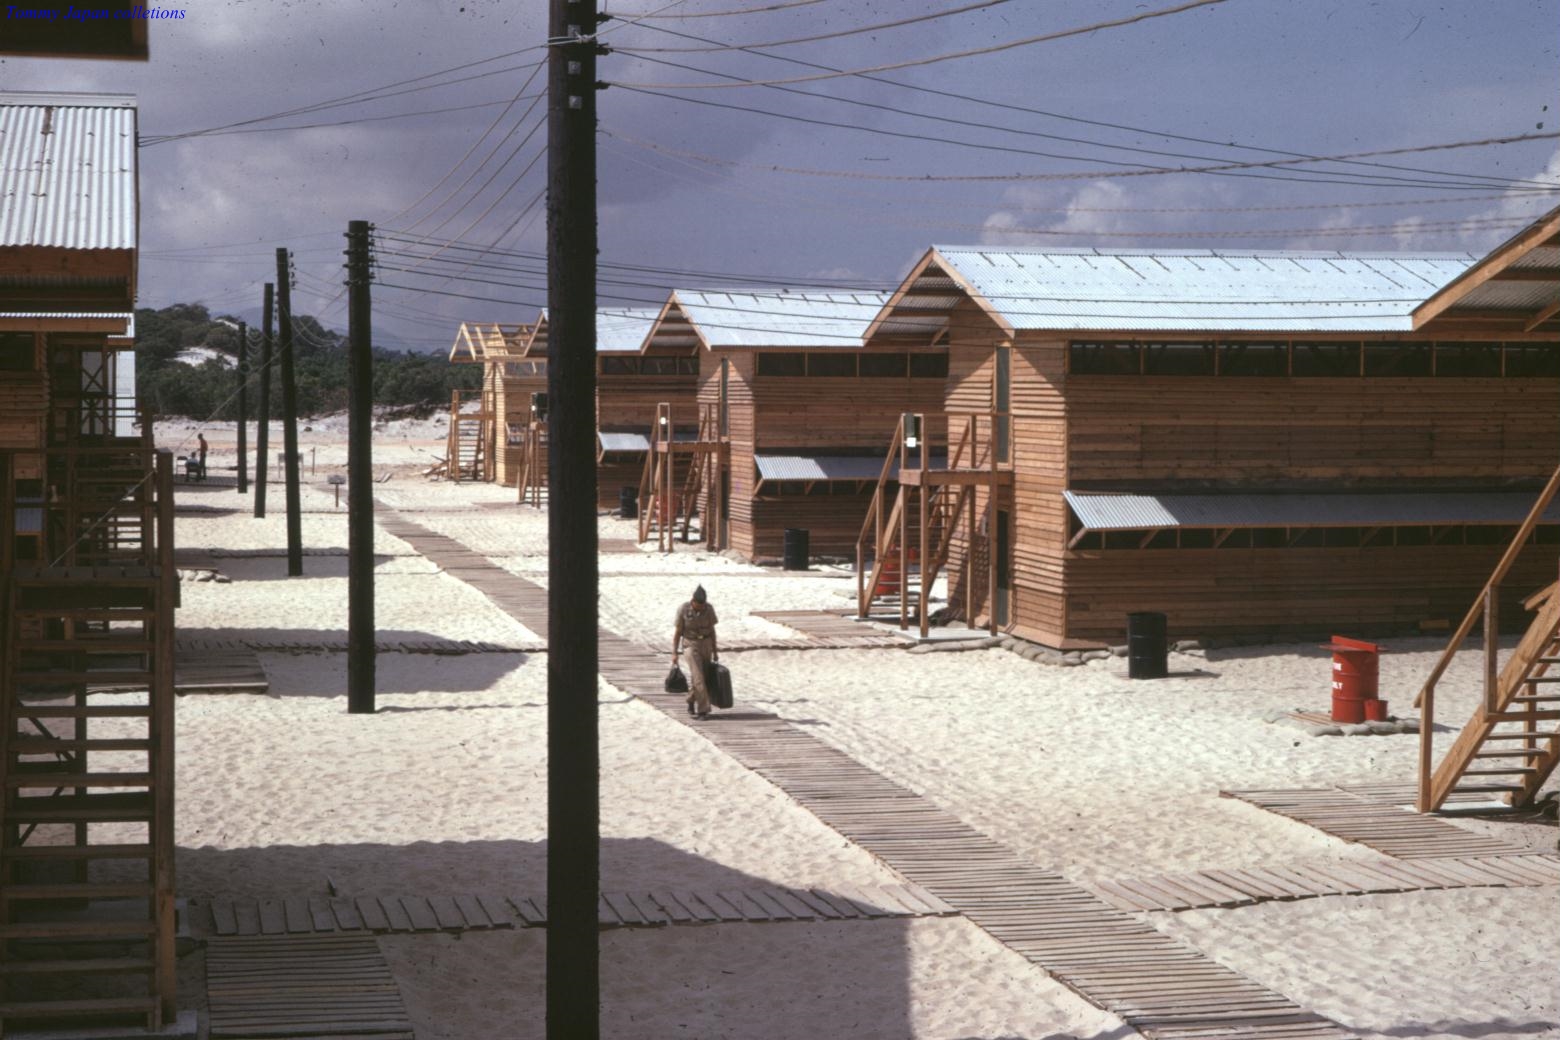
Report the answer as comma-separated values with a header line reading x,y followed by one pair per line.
x,y
87,927
531,479
1511,745
904,546
469,450
683,481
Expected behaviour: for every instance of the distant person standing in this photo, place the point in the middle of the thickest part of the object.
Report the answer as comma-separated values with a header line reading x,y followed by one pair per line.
x,y
694,632
200,454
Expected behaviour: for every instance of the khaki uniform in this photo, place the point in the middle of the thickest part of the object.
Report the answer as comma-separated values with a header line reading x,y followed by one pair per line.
x,y
697,632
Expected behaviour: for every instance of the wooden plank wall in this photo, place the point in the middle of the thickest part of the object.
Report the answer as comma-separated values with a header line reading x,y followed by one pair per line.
x,y
24,404
1040,438
972,346
1234,430
1219,591
513,404
739,393
627,402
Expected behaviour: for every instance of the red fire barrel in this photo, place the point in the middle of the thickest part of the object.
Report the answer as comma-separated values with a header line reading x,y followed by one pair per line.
x,y
1355,674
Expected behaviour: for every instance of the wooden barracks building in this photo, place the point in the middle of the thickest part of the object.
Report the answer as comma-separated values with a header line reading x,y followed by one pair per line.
x,y
1258,441
795,408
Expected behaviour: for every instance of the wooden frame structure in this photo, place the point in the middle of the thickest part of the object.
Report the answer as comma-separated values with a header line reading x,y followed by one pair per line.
x,y
792,409
483,444
1213,447
1511,745
684,479
88,586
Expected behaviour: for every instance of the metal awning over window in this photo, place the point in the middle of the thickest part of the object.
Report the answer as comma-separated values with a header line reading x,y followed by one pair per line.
x,y
623,442
1101,511
818,467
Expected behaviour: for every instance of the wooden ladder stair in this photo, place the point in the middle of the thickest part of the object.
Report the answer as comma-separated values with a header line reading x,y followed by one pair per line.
x,y
662,497
1511,745
531,480
86,845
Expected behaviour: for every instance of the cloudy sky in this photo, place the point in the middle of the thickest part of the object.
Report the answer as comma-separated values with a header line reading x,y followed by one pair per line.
x,y
839,181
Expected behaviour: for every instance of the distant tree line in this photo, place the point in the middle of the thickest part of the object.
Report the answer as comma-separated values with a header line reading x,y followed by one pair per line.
x,y
417,383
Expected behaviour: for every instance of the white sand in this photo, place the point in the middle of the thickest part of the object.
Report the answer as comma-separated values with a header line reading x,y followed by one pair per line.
x,y
1078,769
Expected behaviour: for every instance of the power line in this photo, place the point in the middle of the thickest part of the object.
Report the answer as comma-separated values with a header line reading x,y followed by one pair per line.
x,y
928,17
723,14
1006,106
912,63
1095,175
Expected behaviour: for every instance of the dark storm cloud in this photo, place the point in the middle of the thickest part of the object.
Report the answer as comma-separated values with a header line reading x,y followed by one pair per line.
x,y
1323,79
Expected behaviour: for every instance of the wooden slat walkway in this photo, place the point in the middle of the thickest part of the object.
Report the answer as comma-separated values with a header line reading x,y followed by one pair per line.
x,y
1386,828
233,669
825,629
339,646
314,915
302,986
1229,888
1160,986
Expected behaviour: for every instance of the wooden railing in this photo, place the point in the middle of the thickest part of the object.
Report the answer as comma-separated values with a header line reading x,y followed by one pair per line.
x,y
1486,605
926,443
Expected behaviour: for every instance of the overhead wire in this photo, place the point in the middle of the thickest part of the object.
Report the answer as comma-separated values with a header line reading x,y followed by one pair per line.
x,y
917,62
820,37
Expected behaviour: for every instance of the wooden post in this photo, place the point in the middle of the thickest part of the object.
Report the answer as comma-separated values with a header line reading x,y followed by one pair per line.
x,y
263,413
165,965
1491,649
921,524
243,408
360,477
289,415
1424,803
573,966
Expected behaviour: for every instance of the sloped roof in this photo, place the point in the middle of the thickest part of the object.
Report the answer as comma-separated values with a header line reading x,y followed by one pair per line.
x,y
622,330
68,171
1515,288
728,318
1102,511
1194,290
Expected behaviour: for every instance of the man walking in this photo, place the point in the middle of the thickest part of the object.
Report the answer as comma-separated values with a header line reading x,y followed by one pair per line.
x,y
694,632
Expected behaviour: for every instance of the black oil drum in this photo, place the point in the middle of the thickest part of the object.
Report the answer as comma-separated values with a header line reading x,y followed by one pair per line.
x,y
1146,646
795,557
628,503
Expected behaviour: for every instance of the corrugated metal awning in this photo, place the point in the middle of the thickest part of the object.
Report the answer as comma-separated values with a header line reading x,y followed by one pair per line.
x,y
623,441
1100,511
818,467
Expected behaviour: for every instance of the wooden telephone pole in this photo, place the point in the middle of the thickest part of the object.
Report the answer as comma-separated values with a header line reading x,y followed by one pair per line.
x,y
263,416
573,787
243,408
289,414
360,477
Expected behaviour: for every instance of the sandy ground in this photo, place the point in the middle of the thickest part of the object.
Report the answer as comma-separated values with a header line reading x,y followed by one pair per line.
x,y
1077,769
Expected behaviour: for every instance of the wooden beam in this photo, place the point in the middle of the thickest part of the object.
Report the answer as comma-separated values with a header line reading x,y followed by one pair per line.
x,y
1542,316
1500,259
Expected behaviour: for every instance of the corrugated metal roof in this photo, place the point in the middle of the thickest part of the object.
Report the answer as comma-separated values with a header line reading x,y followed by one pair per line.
x,y
1114,512
622,330
126,317
68,172
810,320
1202,290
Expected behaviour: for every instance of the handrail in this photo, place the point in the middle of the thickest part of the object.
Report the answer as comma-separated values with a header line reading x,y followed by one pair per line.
x,y
1486,603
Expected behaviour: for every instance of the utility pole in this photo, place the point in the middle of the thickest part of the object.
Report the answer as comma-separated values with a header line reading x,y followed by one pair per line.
x,y
243,408
263,419
573,788
289,414
360,477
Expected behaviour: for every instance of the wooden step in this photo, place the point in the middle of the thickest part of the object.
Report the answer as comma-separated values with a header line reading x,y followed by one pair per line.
x,y
1542,679
1536,698
138,613
1486,788
128,890
57,779
77,930
81,808
1513,771
1523,716
79,1008
85,711
53,745
83,966
71,852
1524,753
89,643
103,677
1527,734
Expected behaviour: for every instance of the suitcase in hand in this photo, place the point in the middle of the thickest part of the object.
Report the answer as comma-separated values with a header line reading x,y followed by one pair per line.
x,y
717,679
